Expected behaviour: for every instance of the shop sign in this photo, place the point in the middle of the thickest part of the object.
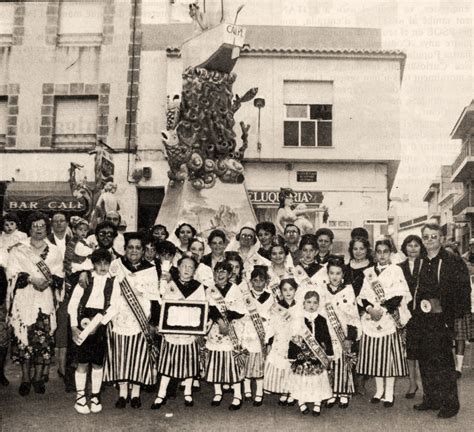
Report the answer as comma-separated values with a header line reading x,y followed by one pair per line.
x,y
271,197
44,204
306,176
340,224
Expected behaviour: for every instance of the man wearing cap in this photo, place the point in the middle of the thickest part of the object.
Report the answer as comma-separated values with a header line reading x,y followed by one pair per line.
x,y
442,295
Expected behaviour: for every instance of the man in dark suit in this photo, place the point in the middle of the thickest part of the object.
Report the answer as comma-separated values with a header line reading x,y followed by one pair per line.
x,y
443,294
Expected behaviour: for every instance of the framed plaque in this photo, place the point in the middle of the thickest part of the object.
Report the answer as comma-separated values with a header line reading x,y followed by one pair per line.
x,y
183,317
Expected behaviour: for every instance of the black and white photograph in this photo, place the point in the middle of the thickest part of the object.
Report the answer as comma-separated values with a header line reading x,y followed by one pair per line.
x,y
236,215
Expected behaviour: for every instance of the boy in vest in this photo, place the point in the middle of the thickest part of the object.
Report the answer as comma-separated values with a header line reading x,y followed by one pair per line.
x,y
84,305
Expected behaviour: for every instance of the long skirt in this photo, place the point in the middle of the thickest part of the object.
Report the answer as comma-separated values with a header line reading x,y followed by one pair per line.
x,y
40,347
179,361
255,366
464,328
343,380
276,378
221,368
382,356
128,359
310,388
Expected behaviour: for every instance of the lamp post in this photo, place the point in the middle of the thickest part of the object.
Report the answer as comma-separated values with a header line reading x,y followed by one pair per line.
x,y
259,103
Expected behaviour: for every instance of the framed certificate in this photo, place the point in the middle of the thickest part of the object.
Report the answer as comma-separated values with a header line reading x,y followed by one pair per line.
x,y
183,317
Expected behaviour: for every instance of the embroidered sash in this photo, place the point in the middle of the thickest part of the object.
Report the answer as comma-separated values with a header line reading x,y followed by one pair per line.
x,y
240,354
316,348
137,310
254,315
35,260
350,359
377,287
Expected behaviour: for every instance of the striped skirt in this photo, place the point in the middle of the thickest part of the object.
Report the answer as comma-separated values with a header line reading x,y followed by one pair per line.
x,y
276,379
179,361
128,359
221,368
382,356
343,380
255,366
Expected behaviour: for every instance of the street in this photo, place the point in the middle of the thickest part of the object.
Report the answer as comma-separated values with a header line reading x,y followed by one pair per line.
x,y
54,411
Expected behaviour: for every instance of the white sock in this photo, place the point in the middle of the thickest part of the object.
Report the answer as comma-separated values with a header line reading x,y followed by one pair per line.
x,y
96,379
378,387
217,389
135,390
237,387
123,389
163,387
188,387
389,387
247,386
81,378
259,390
459,362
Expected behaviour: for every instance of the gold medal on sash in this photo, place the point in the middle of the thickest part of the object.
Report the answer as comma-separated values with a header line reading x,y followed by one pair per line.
x,y
425,306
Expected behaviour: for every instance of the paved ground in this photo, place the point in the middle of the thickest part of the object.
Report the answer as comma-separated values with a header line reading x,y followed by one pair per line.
x,y
54,412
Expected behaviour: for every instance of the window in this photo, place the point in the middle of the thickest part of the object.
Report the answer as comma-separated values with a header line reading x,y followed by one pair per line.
x,y
308,126
308,114
3,120
81,23
7,12
75,122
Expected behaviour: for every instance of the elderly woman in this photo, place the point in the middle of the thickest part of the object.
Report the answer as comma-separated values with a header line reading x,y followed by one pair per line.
x,y
35,270
217,241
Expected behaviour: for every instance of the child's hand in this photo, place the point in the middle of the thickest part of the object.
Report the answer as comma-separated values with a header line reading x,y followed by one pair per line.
x,y
76,335
83,280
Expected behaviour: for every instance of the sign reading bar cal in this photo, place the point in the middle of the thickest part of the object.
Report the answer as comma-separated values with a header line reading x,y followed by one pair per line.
x,y
183,317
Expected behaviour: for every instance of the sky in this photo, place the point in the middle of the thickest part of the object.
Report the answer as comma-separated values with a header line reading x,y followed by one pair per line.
x,y
436,35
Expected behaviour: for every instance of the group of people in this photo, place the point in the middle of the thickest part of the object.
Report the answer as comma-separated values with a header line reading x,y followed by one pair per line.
x,y
285,315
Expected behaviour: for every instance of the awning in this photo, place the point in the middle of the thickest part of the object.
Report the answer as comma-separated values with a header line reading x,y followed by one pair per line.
x,y
44,196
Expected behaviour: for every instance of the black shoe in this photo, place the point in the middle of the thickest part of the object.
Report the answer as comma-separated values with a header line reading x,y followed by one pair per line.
x,y
282,402
375,400
188,401
121,403
216,400
388,404
426,406
257,403
291,403
316,413
136,402
458,374
447,412
248,397
3,380
39,387
235,407
330,404
24,389
304,409
343,405
157,405
411,395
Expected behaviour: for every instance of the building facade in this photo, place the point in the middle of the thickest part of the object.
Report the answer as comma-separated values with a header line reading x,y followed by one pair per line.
x,y
463,171
329,127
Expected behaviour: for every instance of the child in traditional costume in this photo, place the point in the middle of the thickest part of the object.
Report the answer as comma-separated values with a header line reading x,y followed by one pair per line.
x,y
277,365
309,350
226,359
85,304
384,297
258,301
179,356
345,328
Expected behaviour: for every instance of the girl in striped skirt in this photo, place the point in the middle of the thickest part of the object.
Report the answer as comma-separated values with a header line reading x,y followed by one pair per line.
x,y
382,352
179,356
223,340
258,301
344,327
277,365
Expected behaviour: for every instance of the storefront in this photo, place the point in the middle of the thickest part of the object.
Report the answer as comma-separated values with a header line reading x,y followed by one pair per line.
x,y
23,198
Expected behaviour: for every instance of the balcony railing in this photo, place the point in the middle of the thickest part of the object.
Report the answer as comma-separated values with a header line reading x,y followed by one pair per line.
x,y
467,200
467,149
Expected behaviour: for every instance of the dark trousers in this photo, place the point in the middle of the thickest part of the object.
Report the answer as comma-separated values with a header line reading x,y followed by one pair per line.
x,y
433,348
